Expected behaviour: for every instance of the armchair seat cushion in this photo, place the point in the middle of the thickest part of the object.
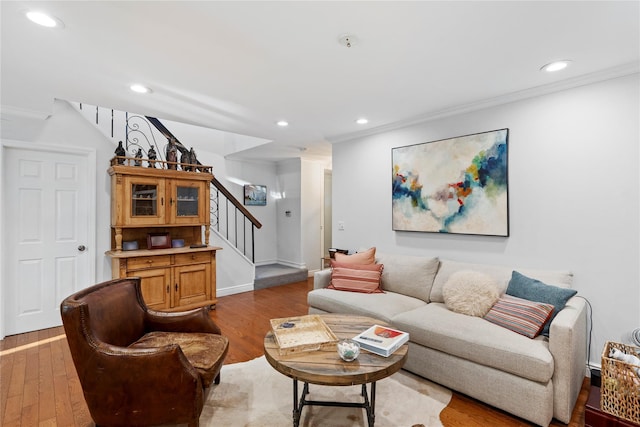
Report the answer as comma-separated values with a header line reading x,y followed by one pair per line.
x,y
205,352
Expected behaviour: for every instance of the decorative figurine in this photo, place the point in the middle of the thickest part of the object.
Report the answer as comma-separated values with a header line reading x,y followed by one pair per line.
x,y
194,160
172,155
120,153
138,161
152,157
185,159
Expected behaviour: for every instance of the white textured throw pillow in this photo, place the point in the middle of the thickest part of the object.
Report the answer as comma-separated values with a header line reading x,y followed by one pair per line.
x,y
471,293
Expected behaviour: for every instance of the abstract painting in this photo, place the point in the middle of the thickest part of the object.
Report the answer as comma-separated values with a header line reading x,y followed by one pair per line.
x,y
457,185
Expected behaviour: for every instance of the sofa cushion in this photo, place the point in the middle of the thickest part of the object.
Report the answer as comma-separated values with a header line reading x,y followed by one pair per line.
x,y
520,315
381,306
364,257
502,275
408,275
470,292
477,340
525,287
356,277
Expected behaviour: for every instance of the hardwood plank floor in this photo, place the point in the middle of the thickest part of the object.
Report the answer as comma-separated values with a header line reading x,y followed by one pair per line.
x,y
39,385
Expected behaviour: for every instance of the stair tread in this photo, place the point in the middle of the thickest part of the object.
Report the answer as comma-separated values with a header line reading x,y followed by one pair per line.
x,y
278,274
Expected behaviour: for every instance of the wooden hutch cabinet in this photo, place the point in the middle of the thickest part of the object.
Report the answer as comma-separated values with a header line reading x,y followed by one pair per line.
x,y
150,203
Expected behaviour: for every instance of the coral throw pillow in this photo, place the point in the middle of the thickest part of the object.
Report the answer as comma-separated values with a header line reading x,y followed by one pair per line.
x,y
365,257
356,278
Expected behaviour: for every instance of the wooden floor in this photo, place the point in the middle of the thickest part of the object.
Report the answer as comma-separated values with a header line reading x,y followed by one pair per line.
x,y
39,385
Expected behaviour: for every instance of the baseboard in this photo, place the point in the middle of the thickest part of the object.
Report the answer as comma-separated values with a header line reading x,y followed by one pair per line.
x,y
232,290
293,264
282,262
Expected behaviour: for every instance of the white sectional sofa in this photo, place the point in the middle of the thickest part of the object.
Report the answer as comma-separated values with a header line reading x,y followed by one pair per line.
x,y
535,379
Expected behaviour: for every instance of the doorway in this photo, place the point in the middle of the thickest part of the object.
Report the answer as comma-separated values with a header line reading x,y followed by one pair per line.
x,y
48,200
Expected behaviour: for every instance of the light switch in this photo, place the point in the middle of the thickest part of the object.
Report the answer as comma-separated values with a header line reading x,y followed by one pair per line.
x,y
341,225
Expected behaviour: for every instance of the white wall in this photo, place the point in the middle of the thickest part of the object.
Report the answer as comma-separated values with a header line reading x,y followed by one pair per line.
x,y
573,195
312,184
289,240
263,173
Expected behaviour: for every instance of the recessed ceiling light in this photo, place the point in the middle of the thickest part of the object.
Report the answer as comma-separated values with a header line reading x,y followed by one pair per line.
x,y
44,19
138,88
282,123
555,66
362,121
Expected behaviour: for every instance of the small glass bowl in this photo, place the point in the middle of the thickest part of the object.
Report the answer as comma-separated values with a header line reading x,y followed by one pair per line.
x,y
348,350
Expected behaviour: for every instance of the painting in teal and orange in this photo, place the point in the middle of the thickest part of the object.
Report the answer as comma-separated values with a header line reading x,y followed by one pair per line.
x,y
457,185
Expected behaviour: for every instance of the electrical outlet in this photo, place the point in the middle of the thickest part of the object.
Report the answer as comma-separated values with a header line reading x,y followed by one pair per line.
x,y
341,225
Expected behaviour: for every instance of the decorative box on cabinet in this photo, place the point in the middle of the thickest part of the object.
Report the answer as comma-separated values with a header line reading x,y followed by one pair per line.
x,y
148,201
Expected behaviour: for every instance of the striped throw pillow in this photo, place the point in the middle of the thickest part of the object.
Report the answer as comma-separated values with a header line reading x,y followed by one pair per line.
x,y
519,315
356,278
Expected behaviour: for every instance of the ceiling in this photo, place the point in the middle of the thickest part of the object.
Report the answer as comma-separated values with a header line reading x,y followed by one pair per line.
x,y
242,66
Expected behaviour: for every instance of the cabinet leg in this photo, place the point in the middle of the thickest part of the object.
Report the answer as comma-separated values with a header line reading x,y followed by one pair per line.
x,y
118,238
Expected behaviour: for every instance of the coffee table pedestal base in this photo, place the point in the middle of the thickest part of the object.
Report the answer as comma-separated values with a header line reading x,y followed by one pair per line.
x,y
368,406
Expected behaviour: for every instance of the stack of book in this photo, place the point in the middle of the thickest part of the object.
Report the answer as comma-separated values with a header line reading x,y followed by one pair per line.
x,y
381,340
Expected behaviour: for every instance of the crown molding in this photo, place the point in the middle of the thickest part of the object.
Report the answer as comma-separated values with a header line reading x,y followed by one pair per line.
x,y
586,79
10,112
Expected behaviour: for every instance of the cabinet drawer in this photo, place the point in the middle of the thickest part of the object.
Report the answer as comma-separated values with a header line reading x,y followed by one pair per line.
x,y
193,257
141,262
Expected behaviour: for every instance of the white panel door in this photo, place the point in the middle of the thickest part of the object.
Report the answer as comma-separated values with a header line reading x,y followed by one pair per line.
x,y
47,223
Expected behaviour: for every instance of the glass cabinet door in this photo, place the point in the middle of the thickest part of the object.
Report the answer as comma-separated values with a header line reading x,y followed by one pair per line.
x,y
187,199
187,203
144,200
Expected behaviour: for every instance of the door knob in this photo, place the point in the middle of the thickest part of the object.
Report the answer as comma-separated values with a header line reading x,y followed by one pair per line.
x,y
82,248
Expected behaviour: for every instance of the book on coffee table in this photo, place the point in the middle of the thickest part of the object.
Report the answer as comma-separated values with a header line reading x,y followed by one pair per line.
x,y
381,340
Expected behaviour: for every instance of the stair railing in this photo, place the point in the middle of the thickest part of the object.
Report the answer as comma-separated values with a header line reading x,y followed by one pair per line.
x,y
228,224
218,191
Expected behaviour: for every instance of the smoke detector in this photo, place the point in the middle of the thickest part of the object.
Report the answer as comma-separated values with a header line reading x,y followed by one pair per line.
x,y
348,40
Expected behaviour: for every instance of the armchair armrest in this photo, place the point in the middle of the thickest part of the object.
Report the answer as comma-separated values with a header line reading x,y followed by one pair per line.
x,y
135,380
321,278
567,344
196,320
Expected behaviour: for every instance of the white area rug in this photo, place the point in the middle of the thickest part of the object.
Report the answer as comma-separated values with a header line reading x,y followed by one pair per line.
x,y
254,394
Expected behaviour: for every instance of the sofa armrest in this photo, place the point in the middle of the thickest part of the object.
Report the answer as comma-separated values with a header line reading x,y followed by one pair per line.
x,y
321,278
567,344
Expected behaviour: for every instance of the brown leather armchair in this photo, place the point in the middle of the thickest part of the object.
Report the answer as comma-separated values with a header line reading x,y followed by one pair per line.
x,y
138,366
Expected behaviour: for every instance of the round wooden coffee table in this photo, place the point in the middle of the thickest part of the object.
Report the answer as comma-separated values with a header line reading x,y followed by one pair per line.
x,y
324,367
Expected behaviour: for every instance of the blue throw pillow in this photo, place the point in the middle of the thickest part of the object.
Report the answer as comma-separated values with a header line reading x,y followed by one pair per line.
x,y
534,290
